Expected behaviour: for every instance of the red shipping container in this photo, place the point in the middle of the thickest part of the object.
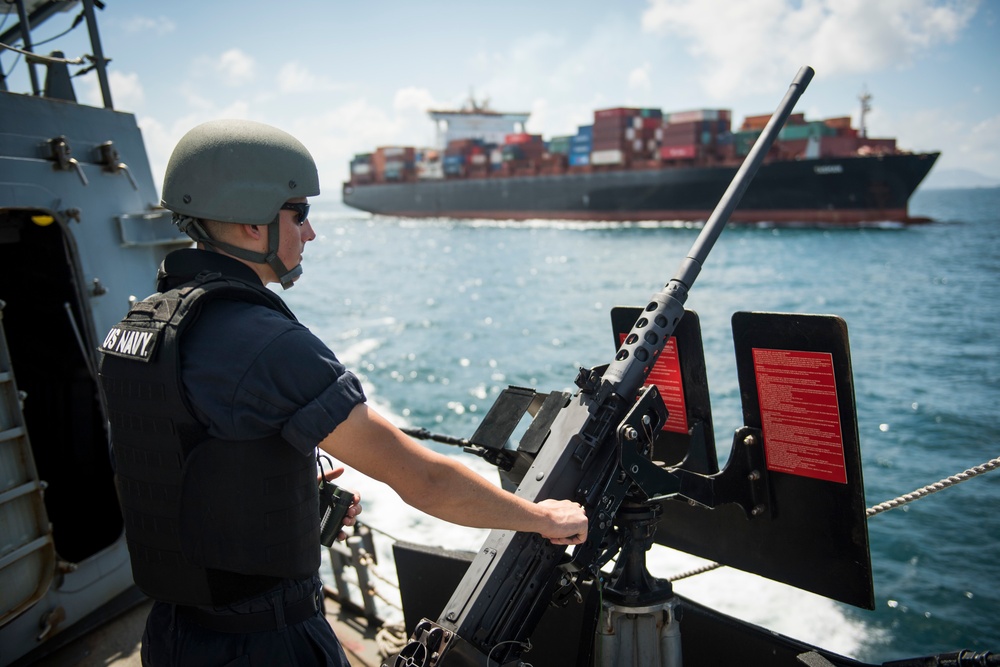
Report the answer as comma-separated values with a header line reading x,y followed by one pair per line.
x,y
837,146
609,122
687,152
608,133
523,138
841,123
617,112
795,148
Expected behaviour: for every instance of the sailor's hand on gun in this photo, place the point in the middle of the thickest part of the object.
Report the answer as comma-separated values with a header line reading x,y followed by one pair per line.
x,y
355,508
567,522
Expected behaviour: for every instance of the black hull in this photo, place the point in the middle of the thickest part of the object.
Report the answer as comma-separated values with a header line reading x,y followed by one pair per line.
x,y
846,191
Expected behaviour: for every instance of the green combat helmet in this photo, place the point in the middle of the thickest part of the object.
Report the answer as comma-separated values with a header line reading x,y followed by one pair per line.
x,y
238,171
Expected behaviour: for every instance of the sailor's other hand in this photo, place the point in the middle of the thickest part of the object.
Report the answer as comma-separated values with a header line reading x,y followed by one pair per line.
x,y
353,511
567,522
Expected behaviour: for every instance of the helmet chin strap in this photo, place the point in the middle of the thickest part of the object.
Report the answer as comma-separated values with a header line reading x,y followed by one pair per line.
x,y
193,228
285,276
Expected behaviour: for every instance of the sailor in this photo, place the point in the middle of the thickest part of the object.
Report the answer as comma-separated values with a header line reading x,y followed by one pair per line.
x,y
218,399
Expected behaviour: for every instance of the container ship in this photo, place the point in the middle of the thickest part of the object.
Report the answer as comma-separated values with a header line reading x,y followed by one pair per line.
x,y
636,164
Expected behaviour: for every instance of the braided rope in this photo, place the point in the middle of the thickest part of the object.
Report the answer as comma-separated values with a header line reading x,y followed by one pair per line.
x,y
698,570
966,475
391,639
373,570
933,488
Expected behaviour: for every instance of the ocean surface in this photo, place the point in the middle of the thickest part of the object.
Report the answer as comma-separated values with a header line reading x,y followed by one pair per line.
x,y
438,316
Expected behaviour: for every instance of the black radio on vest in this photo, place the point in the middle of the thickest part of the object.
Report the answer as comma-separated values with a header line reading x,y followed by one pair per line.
x,y
333,505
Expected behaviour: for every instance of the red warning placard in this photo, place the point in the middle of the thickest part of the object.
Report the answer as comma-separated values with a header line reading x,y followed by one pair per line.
x,y
799,413
666,375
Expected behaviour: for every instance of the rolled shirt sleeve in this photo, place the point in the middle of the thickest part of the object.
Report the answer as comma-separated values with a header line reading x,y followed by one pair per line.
x,y
266,375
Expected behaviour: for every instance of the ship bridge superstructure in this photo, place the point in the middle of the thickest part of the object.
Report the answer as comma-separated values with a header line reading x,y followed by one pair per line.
x,y
475,121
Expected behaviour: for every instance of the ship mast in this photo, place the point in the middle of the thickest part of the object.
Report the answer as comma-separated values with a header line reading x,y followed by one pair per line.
x,y
866,106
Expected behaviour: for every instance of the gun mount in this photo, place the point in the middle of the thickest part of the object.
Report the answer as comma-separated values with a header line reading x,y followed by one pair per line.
x,y
598,447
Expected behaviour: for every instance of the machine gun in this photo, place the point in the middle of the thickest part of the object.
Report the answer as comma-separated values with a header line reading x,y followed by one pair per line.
x,y
594,447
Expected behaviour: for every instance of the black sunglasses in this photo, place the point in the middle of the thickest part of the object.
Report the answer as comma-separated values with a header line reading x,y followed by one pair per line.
x,y
301,209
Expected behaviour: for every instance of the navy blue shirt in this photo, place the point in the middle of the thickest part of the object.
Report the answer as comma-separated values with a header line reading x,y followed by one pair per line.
x,y
249,371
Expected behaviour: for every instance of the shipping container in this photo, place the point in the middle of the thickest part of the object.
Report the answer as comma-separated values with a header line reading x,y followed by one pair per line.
x,y
688,152
430,170
698,115
401,152
839,123
744,140
791,149
806,130
612,123
560,144
837,146
617,112
579,159
758,122
462,145
605,157
600,146
523,138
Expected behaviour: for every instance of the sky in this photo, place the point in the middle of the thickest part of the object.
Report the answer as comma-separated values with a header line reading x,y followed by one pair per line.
x,y
346,77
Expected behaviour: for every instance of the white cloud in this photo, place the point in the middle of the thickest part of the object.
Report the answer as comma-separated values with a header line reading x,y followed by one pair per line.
x,y
737,46
540,112
161,25
126,90
412,98
335,134
510,76
962,146
236,66
561,79
638,78
294,77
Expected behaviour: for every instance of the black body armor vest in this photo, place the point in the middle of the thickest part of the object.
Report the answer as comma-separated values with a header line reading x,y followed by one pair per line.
x,y
207,521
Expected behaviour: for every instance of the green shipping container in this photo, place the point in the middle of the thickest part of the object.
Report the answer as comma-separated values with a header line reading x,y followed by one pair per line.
x,y
743,141
560,145
813,129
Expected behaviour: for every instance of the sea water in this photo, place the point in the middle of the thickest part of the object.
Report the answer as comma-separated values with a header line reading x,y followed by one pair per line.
x,y
438,316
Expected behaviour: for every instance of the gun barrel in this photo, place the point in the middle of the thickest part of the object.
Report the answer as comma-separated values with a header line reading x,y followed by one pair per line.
x,y
734,193
642,347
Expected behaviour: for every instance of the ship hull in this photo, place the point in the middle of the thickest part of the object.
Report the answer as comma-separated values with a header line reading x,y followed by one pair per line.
x,y
839,191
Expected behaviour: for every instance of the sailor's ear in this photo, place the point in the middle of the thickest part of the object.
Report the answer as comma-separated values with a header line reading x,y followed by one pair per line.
x,y
252,231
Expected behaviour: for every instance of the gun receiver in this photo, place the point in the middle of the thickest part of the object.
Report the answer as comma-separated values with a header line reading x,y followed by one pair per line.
x,y
596,451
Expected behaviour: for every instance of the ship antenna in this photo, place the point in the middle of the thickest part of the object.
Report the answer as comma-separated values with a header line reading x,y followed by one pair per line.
x,y
866,106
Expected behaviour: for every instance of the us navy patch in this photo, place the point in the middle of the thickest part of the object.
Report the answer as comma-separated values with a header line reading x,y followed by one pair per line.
x,y
131,343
